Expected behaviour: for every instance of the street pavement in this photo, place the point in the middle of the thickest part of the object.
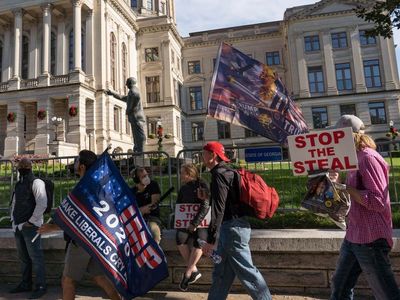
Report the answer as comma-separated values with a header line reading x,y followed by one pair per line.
x,y
92,293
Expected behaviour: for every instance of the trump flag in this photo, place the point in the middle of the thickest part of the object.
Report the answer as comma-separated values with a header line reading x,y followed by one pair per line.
x,y
248,93
101,215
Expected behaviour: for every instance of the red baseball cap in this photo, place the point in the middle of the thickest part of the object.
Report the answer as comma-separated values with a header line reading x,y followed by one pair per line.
x,y
217,148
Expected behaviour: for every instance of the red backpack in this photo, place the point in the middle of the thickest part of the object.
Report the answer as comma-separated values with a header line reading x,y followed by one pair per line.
x,y
255,193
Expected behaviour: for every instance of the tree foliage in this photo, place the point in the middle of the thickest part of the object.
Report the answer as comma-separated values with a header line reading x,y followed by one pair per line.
x,y
385,15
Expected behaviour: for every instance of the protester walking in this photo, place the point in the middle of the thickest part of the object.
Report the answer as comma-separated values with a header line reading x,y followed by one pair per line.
x,y
232,230
185,237
368,238
148,194
29,201
77,260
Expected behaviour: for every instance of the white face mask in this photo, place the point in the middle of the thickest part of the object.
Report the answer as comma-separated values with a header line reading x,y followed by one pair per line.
x,y
145,180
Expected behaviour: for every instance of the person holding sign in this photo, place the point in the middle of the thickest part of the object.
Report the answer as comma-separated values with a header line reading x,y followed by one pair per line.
x,y
188,194
368,238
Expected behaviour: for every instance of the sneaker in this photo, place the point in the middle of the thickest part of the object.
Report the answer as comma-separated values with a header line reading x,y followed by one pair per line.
x,y
21,288
194,277
38,292
183,286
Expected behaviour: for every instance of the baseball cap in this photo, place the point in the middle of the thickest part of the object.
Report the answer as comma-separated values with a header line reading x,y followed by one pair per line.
x,y
24,163
350,121
217,148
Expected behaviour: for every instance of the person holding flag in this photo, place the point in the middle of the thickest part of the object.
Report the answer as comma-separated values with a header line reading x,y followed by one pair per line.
x,y
77,260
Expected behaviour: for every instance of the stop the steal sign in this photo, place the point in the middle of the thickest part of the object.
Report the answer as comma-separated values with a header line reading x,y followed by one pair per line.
x,y
185,212
322,150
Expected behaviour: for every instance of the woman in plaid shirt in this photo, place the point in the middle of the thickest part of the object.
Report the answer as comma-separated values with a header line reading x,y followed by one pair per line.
x,y
368,238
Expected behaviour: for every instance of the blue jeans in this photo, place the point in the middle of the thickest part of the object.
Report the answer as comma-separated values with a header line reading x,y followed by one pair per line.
x,y
234,248
373,260
31,256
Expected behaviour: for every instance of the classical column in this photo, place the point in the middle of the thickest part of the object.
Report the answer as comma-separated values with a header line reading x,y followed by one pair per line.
x,y
17,42
33,51
357,61
302,68
388,64
61,45
329,64
46,9
89,43
6,64
77,16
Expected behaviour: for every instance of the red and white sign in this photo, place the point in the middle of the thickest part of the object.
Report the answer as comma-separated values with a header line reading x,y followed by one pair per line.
x,y
185,212
322,150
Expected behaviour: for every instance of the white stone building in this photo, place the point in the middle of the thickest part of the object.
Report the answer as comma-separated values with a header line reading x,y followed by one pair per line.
x,y
319,50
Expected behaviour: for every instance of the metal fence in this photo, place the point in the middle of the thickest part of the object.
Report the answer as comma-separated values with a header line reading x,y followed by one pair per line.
x,y
166,171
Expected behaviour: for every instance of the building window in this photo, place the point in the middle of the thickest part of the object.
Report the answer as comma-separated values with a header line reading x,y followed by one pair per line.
x,y
178,127
153,89
249,133
273,58
316,80
53,54
25,58
127,125
348,109
377,112
113,46
151,54
366,40
194,67
152,125
372,73
124,63
343,77
224,130
311,43
117,118
150,4
180,87
196,98
339,40
134,3
71,64
197,131
172,57
320,117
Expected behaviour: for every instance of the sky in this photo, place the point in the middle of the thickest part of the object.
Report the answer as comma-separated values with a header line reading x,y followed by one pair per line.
x,y
200,15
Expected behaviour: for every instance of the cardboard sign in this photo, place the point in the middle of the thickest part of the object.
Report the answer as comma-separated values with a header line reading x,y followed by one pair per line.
x,y
185,212
323,150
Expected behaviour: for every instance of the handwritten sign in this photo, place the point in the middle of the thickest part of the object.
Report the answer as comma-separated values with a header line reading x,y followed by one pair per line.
x,y
185,212
322,150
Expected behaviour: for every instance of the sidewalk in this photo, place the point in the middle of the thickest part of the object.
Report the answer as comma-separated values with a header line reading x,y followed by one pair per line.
x,y
83,293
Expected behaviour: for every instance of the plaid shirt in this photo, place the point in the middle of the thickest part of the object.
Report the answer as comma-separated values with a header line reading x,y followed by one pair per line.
x,y
372,219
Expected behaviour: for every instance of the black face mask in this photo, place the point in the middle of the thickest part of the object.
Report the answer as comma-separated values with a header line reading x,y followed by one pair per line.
x,y
24,172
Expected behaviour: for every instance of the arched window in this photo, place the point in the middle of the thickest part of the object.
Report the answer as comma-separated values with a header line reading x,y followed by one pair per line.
x,y
25,57
113,46
124,63
53,54
71,50
1,61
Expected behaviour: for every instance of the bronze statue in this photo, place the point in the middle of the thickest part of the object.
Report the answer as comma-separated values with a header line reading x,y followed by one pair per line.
x,y
135,113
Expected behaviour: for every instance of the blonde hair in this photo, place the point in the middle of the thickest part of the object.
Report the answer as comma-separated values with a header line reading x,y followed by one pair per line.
x,y
362,141
191,171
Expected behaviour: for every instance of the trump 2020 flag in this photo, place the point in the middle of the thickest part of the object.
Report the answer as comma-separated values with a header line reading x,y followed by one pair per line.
x,y
248,93
102,216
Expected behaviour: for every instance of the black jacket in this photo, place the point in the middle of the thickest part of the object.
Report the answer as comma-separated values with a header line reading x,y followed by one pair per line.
x,y
188,194
225,193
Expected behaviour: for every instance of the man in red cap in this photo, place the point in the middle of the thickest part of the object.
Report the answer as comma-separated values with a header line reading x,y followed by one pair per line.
x,y
233,231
